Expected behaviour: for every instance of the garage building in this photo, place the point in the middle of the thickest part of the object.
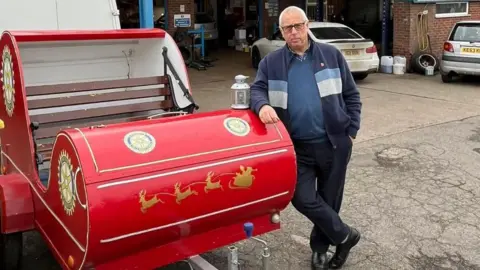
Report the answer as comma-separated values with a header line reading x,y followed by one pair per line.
x,y
396,27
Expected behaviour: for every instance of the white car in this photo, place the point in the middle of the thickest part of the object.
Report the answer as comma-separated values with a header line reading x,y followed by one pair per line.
x,y
360,53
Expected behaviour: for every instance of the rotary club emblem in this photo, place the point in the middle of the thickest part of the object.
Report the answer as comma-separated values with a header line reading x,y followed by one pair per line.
x,y
139,142
8,83
66,182
237,126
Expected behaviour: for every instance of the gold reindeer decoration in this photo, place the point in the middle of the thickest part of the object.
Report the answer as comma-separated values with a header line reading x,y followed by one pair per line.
x,y
147,203
241,180
212,185
182,195
244,179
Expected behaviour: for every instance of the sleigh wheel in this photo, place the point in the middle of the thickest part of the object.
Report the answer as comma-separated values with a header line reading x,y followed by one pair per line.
x,y
11,251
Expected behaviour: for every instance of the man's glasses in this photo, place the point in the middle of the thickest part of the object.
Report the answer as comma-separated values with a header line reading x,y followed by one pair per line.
x,y
297,26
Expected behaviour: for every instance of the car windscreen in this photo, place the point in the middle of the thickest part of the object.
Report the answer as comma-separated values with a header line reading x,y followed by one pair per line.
x,y
203,18
468,32
334,33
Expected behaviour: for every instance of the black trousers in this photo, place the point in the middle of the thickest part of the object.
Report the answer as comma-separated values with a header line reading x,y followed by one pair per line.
x,y
321,172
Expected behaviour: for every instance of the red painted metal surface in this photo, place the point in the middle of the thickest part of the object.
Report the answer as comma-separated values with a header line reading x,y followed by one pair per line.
x,y
16,142
17,153
16,204
187,246
16,138
142,194
191,176
75,35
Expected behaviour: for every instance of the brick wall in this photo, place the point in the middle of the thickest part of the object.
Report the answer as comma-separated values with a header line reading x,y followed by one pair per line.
x,y
405,41
174,8
401,28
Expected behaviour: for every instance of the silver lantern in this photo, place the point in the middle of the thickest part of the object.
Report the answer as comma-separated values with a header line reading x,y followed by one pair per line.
x,y
240,93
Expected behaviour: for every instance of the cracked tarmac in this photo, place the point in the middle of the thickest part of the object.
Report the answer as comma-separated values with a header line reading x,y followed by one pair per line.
x,y
415,197
413,184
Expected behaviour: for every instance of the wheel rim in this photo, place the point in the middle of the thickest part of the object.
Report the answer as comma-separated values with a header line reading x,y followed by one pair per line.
x,y
426,60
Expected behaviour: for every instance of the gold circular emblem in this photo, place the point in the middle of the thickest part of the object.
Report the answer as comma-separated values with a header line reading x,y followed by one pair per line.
x,y
66,182
139,142
8,81
237,126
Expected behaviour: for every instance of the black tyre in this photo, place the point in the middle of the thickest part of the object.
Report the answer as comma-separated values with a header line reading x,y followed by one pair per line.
x,y
255,57
447,78
11,249
185,53
360,76
421,60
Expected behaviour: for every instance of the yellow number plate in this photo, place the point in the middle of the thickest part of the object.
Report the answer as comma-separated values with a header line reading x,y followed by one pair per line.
x,y
470,50
351,52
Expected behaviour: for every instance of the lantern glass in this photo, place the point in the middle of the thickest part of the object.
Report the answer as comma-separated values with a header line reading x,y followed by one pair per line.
x,y
240,98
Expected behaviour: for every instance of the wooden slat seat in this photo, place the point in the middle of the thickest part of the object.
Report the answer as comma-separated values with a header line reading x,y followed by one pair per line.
x,y
56,107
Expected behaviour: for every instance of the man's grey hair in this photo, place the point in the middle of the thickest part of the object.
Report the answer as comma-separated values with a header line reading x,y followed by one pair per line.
x,y
291,9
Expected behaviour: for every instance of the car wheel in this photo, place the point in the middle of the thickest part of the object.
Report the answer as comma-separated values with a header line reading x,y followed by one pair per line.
x,y
447,78
421,60
360,76
11,251
255,57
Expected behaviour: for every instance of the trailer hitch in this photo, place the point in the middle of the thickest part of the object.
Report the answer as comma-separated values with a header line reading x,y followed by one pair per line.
x,y
233,251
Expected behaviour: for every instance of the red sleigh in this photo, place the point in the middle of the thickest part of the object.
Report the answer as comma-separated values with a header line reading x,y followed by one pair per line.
x,y
102,154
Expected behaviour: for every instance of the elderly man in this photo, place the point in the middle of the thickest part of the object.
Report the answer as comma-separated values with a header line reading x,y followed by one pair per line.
x,y
308,86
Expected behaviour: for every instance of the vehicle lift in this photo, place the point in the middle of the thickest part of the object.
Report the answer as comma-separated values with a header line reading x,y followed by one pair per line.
x,y
203,62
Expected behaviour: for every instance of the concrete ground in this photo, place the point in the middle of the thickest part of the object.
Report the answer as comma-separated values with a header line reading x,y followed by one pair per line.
x,y
413,185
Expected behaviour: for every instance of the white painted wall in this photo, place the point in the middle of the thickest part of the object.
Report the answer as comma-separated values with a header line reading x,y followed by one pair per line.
x,y
58,15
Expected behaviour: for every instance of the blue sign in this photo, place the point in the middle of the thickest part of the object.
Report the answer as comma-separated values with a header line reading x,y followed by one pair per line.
x,y
182,20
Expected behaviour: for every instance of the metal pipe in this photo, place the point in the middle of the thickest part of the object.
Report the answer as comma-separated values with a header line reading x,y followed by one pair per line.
x,y
199,263
145,10
266,259
261,241
233,258
265,253
385,27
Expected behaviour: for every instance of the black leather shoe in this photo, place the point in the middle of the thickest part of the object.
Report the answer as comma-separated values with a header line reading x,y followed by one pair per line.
x,y
343,250
319,261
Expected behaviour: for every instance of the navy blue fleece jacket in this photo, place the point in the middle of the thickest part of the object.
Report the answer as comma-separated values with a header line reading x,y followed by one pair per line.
x,y
339,95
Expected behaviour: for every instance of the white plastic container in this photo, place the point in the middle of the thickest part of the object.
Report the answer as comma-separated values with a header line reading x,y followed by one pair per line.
x,y
429,71
386,64
398,59
398,69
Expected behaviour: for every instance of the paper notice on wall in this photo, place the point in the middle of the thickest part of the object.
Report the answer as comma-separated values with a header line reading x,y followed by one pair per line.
x,y
272,8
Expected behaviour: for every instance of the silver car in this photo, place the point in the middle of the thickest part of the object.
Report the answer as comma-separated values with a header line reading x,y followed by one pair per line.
x,y
209,25
461,52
